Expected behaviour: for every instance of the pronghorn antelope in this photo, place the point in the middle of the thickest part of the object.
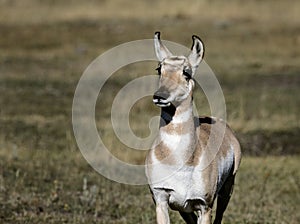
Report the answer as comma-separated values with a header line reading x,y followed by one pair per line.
x,y
174,165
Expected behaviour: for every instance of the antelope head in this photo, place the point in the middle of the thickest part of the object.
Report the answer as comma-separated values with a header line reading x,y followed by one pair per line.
x,y
176,73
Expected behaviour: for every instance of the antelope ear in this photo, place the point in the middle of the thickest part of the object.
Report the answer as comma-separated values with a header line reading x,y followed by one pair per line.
x,y
161,51
197,53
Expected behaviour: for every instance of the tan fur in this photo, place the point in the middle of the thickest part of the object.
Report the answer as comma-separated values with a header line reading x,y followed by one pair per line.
x,y
163,153
180,129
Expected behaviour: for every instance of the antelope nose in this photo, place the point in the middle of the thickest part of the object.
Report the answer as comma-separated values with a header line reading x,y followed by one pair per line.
x,y
157,98
161,99
160,96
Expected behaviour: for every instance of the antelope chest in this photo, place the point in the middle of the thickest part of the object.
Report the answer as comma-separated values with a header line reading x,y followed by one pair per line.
x,y
189,187
185,186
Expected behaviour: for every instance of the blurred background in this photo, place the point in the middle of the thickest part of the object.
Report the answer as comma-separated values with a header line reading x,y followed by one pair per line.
x,y
45,46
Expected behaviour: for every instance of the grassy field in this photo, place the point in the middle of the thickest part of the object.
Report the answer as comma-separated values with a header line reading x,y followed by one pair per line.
x,y
45,46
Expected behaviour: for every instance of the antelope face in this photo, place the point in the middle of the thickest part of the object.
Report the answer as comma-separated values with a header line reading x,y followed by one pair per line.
x,y
175,83
176,73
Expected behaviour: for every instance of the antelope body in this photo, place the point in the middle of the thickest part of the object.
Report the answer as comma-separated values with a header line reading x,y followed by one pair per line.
x,y
174,166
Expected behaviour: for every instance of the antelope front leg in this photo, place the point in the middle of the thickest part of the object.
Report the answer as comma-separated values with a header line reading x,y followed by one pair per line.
x,y
162,215
204,215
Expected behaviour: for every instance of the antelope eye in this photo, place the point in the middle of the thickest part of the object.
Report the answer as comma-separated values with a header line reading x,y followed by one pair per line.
x,y
158,69
187,74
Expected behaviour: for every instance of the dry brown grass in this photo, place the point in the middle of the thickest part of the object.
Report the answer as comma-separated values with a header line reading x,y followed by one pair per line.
x,y
45,46
49,11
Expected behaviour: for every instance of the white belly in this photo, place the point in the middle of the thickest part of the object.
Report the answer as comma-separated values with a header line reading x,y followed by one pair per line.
x,y
183,184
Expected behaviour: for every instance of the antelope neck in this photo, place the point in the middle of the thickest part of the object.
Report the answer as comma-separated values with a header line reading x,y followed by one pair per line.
x,y
180,118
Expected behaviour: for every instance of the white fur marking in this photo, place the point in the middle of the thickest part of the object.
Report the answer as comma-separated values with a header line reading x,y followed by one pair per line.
x,y
225,164
174,141
182,117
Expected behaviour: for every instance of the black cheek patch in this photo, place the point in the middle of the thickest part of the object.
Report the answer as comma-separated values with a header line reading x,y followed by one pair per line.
x,y
158,69
187,74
